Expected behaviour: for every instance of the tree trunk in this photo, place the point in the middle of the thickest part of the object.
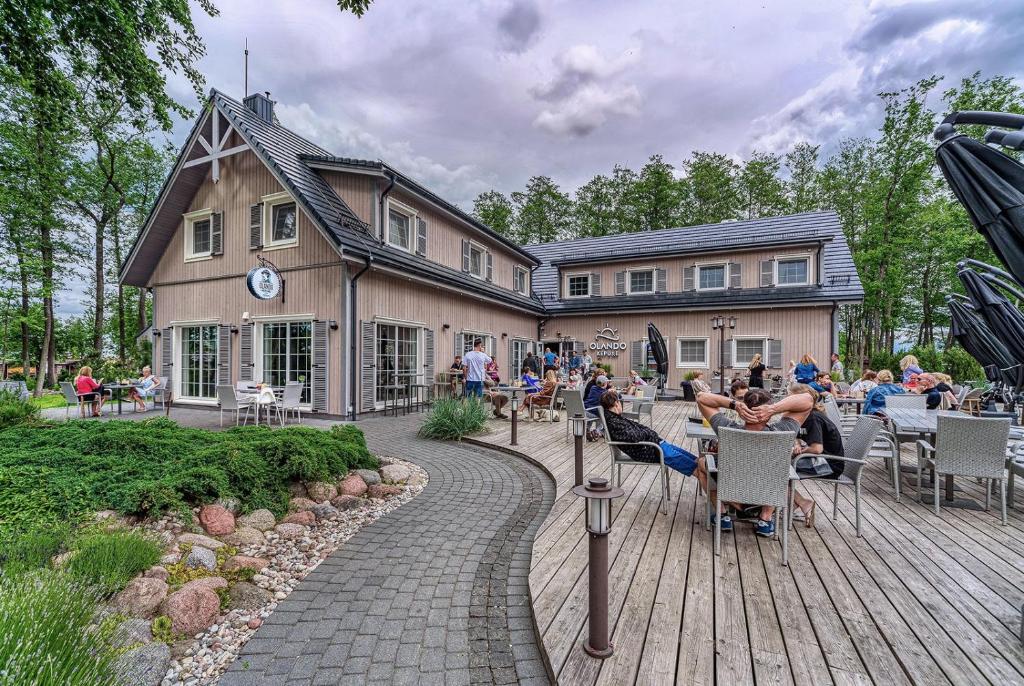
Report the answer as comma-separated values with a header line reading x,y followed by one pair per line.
x,y
116,233
26,357
97,325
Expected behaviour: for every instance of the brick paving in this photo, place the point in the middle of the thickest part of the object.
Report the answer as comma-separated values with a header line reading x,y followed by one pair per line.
x,y
434,593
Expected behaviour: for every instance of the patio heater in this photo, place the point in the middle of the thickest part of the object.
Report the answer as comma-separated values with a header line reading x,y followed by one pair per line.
x,y
720,324
579,428
599,495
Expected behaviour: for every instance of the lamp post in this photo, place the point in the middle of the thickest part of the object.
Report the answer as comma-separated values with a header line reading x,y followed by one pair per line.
x,y
720,324
599,494
515,418
579,428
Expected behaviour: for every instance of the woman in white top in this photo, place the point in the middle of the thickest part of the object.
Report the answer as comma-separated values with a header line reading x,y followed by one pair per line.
x,y
865,383
144,388
699,384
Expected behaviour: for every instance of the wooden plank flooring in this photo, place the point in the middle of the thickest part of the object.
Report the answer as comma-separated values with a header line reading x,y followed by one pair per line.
x,y
920,599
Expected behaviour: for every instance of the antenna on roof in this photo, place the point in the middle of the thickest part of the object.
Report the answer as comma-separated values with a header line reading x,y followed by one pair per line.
x,y
246,87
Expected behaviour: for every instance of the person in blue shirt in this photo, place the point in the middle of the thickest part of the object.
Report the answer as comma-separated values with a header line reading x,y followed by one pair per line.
x,y
530,381
550,360
575,361
875,400
595,391
910,366
807,371
823,383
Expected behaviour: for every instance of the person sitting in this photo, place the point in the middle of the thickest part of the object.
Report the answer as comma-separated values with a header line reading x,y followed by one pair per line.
x,y
628,431
144,388
874,403
823,383
755,410
865,383
937,391
542,398
910,367
575,378
698,384
492,376
530,381
594,391
807,371
738,389
818,435
498,401
456,372
90,390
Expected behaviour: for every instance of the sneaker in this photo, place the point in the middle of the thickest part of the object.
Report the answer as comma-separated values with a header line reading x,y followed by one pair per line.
x,y
726,522
765,528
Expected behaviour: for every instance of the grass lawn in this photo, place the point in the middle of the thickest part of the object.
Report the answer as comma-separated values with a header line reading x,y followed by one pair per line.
x,y
48,401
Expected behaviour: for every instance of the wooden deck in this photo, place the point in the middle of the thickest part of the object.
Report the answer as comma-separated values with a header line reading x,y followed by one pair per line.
x,y
919,599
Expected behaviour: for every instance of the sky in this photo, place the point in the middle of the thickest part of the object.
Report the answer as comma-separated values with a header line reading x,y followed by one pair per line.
x,y
470,96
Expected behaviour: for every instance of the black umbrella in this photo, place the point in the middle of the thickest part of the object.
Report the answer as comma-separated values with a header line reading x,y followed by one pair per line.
x,y
973,334
988,183
658,349
1002,317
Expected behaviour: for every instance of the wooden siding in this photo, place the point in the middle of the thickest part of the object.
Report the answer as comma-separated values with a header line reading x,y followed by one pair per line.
x,y
801,329
357,190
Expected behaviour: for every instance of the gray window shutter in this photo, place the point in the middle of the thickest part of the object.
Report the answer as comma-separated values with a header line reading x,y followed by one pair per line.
x,y
620,283
421,237
217,233
735,275
167,354
428,357
512,371
368,367
595,283
688,279
490,267
319,376
636,355
492,347
245,332
660,281
465,255
256,226
767,273
774,354
224,354
727,354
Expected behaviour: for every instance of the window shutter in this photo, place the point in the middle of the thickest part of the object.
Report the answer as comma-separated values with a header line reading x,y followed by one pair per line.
x,y
735,275
660,281
465,255
428,357
767,273
620,283
245,352
490,267
217,233
256,226
774,354
727,353
224,354
367,369
512,371
636,355
595,283
421,237
688,279
318,371
492,345
167,354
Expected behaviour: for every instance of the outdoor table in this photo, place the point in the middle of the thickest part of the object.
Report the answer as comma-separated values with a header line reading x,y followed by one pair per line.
x,y
844,400
117,392
265,397
408,379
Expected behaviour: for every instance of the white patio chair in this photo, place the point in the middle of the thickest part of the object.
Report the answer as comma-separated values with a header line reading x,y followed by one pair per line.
x,y
228,400
290,401
620,458
163,390
967,446
754,469
906,401
71,397
573,404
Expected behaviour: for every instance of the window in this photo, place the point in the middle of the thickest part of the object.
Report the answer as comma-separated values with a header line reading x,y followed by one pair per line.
x,y
641,281
710,277
745,349
199,361
692,352
280,221
197,235
519,350
201,237
399,229
287,354
398,358
477,261
284,227
519,280
578,285
792,271
465,339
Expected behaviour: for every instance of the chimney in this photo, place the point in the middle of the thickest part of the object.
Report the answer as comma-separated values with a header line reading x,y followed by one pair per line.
x,y
262,105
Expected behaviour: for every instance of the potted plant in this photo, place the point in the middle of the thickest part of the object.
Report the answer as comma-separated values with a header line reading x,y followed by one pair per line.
x,y
688,393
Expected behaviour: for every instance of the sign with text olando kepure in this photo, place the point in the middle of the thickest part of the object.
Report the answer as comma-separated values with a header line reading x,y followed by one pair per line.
x,y
606,343
263,282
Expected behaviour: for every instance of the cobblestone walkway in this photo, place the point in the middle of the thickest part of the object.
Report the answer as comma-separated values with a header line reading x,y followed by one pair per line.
x,y
434,593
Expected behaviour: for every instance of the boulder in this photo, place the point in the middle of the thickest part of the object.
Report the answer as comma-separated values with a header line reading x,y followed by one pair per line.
x,y
289,531
171,559
201,557
216,520
321,491
305,518
131,633
248,597
368,475
142,596
62,559
143,666
199,539
191,609
211,583
348,502
352,484
325,511
258,519
300,504
244,562
395,473
157,572
297,489
381,491
245,535
230,504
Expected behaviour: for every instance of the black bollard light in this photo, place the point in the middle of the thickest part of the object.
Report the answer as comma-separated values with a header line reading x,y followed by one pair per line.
x,y
599,494
579,429
515,418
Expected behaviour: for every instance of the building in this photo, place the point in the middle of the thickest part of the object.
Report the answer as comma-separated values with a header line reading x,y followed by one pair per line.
x,y
270,259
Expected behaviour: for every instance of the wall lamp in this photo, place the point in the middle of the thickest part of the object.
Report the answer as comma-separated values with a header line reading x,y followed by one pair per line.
x,y
157,333
333,324
446,326
504,335
234,329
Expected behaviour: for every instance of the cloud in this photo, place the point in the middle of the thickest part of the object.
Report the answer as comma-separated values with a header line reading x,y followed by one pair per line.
x,y
519,25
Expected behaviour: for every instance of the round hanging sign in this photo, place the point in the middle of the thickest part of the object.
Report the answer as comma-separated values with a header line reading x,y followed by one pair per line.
x,y
263,282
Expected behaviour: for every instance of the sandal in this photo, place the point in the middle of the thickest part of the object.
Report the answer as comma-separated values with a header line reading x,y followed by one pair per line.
x,y
809,516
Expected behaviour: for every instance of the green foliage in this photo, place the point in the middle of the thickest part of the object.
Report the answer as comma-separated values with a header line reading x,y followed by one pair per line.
x,y
958,363
108,560
45,632
46,402
690,375
33,548
162,631
453,418
495,210
14,410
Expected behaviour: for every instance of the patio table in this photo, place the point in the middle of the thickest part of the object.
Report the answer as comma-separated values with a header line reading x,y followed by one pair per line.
x,y
265,397
847,401
117,392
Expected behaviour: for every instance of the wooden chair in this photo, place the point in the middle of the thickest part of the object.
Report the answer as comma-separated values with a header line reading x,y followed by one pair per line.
x,y
620,458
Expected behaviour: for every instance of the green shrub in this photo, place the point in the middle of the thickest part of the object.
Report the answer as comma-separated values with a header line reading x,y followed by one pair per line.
x,y
31,549
45,636
453,418
14,410
161,630
959,364
108,560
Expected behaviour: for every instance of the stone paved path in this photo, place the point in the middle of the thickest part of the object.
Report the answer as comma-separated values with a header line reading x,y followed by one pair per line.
x,y
434,593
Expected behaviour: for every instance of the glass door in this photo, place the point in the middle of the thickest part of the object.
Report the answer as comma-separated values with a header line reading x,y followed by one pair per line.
x,y
398,358
199,361
287,354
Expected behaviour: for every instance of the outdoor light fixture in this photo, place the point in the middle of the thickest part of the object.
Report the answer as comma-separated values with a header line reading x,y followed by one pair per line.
x,y
446,326
579,429
515,418
598,506
720,324
157,333
504,335
333,324
234,329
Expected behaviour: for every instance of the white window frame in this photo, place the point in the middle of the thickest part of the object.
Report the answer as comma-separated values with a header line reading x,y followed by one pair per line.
x,y
590,284
176,349
482,249
790,258
420,344
526,279
190,218
485,336
686,365
725,279
737,363
629,280
411,215
257,343
269,203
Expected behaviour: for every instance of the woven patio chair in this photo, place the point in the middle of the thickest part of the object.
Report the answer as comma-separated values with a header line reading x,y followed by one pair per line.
x,y
906,401
754,469
228,400
573,404
620,458
967,446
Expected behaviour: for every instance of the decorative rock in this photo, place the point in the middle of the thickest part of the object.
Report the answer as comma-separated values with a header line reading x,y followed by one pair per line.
x,y
144,666
258,519
216,520
395,473
325,511
368,475
142,596
321,491
352,484
230,504
255,623
62,559
297,489
170,559
191,609
348,502
243,562
201,557
305,518
199,539
210,583
381,491
248,597
103,515
131,633
288,531
157,572
300,504
245,535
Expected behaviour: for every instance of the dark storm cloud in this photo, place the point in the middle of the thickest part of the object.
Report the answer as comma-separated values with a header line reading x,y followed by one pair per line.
x,y
519,25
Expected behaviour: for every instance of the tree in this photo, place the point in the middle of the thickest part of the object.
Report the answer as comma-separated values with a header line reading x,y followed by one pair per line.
x,y
709,191
495,210
655,197
760,192
596,208
803,189
542,211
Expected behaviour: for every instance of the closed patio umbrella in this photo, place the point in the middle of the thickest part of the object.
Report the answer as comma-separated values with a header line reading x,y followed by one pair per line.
x,y
1004,320
658,349
973,334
